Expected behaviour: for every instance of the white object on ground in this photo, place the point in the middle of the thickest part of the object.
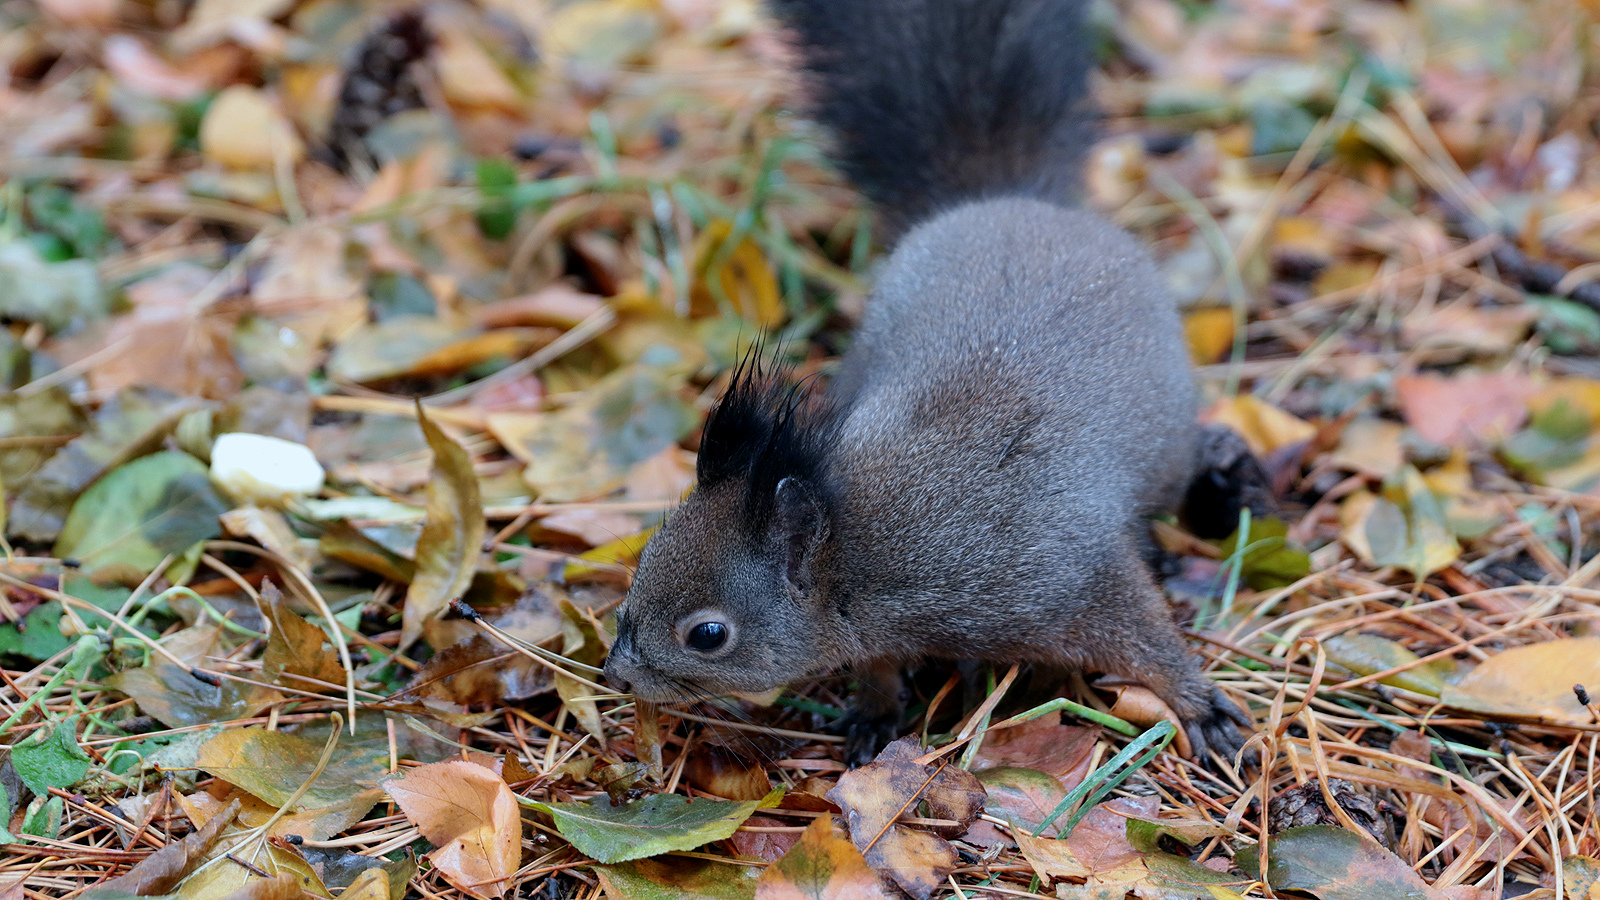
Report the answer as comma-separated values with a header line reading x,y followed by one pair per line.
x,y
264,470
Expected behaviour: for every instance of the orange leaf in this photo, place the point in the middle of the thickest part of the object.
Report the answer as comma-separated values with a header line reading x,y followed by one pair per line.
x,y
470,815
823,866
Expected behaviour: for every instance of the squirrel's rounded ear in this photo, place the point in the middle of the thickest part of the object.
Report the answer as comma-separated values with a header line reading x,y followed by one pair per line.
x,y
798,526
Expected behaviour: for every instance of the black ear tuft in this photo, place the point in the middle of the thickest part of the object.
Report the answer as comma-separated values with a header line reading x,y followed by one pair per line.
x,y
765,429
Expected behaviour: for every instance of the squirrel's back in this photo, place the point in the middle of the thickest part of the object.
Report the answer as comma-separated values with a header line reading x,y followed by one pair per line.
x,y
936,102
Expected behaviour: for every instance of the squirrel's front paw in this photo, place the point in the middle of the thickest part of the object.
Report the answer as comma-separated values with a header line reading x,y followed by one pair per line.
x,y
1220,728
866,733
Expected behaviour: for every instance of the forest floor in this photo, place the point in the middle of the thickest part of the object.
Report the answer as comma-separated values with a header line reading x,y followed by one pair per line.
x,y
233,670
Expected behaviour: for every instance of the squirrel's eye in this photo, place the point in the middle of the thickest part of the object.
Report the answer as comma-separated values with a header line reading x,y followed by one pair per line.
x,y
707,636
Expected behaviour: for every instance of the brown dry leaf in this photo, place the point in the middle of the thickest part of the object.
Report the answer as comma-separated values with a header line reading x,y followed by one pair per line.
x,y
558,306
824,865
1467,409
467,75
452,536
165,341
875,795
318,824
136,67
1044,744
243,129
1489,331
1263,426
1022,798
1533,682
470,816
295,646
161,871
465,683
1100,840
722,773
1138,704
270,528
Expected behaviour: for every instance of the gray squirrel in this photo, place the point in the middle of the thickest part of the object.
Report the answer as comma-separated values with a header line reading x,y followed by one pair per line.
x,y
977,481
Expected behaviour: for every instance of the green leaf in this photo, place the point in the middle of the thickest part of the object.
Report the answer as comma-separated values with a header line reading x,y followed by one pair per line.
x,y
54,210
58,295
1365,654
43,818
52,761
657,824
1270,561
1335,864
1407,528
128,522
498,215
677,878
130,424
452,535
1567,327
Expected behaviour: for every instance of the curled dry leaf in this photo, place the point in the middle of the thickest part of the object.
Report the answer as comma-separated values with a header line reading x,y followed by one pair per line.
x,y
824,865
295,646
1533,682
723,773
465,683
452,535
875,795
1140,705
471,817
161,871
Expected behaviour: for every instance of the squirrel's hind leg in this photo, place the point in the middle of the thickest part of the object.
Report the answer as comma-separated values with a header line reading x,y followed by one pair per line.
x,y
1131,635
876,714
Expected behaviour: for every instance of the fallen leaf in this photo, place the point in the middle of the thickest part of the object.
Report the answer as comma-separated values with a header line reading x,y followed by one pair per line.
x,y
1365,654
1269,560
1045,744
1336,864
132,423
465,683
178,699
452,536
1263,426
1404,527
273,765
295,646
126,524
135,66
1533,682
1021,797
722,773
875,795
161,871
678,878
1210,334
824,865
1371,446
660,823
51,760
244,130
470,815
1100,840
1464,410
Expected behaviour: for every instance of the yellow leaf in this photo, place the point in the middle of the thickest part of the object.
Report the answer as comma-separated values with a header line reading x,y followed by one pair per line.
x,y
1532,682
1210,334
244,130
468,77
623,551
452,535
1263,426
736,277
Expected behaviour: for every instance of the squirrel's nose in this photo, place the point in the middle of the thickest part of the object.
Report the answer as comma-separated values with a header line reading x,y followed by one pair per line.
x,y
613,673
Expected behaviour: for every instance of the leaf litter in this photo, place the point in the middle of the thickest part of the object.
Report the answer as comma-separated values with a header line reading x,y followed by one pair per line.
x,y
488,264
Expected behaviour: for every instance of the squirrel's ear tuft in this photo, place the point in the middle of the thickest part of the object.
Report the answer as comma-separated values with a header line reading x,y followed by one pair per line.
x,y
796,528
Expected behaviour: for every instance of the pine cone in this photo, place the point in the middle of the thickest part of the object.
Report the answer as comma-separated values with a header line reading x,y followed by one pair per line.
x,y
378,83
1304,805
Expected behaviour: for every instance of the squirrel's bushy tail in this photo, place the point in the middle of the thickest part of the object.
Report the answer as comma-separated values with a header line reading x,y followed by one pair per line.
x,y
935,102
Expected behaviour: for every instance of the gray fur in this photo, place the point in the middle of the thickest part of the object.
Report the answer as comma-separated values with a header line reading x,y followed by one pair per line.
x,y
1017,402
